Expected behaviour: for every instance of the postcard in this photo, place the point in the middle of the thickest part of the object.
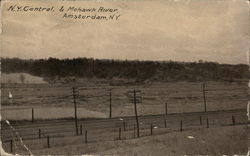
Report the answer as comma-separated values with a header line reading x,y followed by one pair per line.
x,y
124,77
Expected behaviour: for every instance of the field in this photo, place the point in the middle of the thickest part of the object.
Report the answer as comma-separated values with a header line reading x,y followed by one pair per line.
x,y
53,130
94,100
19,77
227,140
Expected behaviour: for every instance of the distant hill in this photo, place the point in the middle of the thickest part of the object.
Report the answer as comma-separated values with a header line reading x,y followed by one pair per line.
x,y
20,78
138,71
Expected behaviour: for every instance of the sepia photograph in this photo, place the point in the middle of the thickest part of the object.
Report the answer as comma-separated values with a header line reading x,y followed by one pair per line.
x,y
125,77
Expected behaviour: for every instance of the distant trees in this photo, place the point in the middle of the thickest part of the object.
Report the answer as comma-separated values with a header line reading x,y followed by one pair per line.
x,y
136,70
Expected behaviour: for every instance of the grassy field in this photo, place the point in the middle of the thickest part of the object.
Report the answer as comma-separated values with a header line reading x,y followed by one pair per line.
x,y
20,77
56,101
228,140
216,141
93,100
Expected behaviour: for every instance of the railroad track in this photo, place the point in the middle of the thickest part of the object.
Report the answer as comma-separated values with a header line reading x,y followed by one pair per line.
x,y
62,128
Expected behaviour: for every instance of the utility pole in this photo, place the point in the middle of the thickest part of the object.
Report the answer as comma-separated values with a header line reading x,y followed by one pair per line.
x,y
136,99
110,104
204,97
74,96
136,115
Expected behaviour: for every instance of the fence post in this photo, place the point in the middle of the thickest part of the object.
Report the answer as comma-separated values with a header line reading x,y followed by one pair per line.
x,y
124,126
86,136
200,120
119,131
165,123
11,146
181,126
207,123
233,120
32,114
39,133
151,129
166,108
80,129
48,142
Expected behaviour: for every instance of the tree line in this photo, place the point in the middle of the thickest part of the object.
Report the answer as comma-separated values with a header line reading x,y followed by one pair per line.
x,y
134,69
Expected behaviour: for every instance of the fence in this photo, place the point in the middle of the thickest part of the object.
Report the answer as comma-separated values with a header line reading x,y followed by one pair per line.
x,y
128,127
95,132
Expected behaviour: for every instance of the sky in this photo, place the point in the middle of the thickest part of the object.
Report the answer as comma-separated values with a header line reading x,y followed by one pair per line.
x,y
178,30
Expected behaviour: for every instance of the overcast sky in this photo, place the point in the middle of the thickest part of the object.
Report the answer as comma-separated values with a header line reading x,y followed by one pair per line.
x,y
180,30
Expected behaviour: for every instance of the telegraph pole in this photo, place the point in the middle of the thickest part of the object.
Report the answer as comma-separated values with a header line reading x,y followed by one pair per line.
x,y
136,115
110,104
136,99
204,97
74,96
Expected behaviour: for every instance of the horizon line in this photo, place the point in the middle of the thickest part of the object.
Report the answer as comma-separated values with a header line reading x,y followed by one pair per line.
x,y
140,60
